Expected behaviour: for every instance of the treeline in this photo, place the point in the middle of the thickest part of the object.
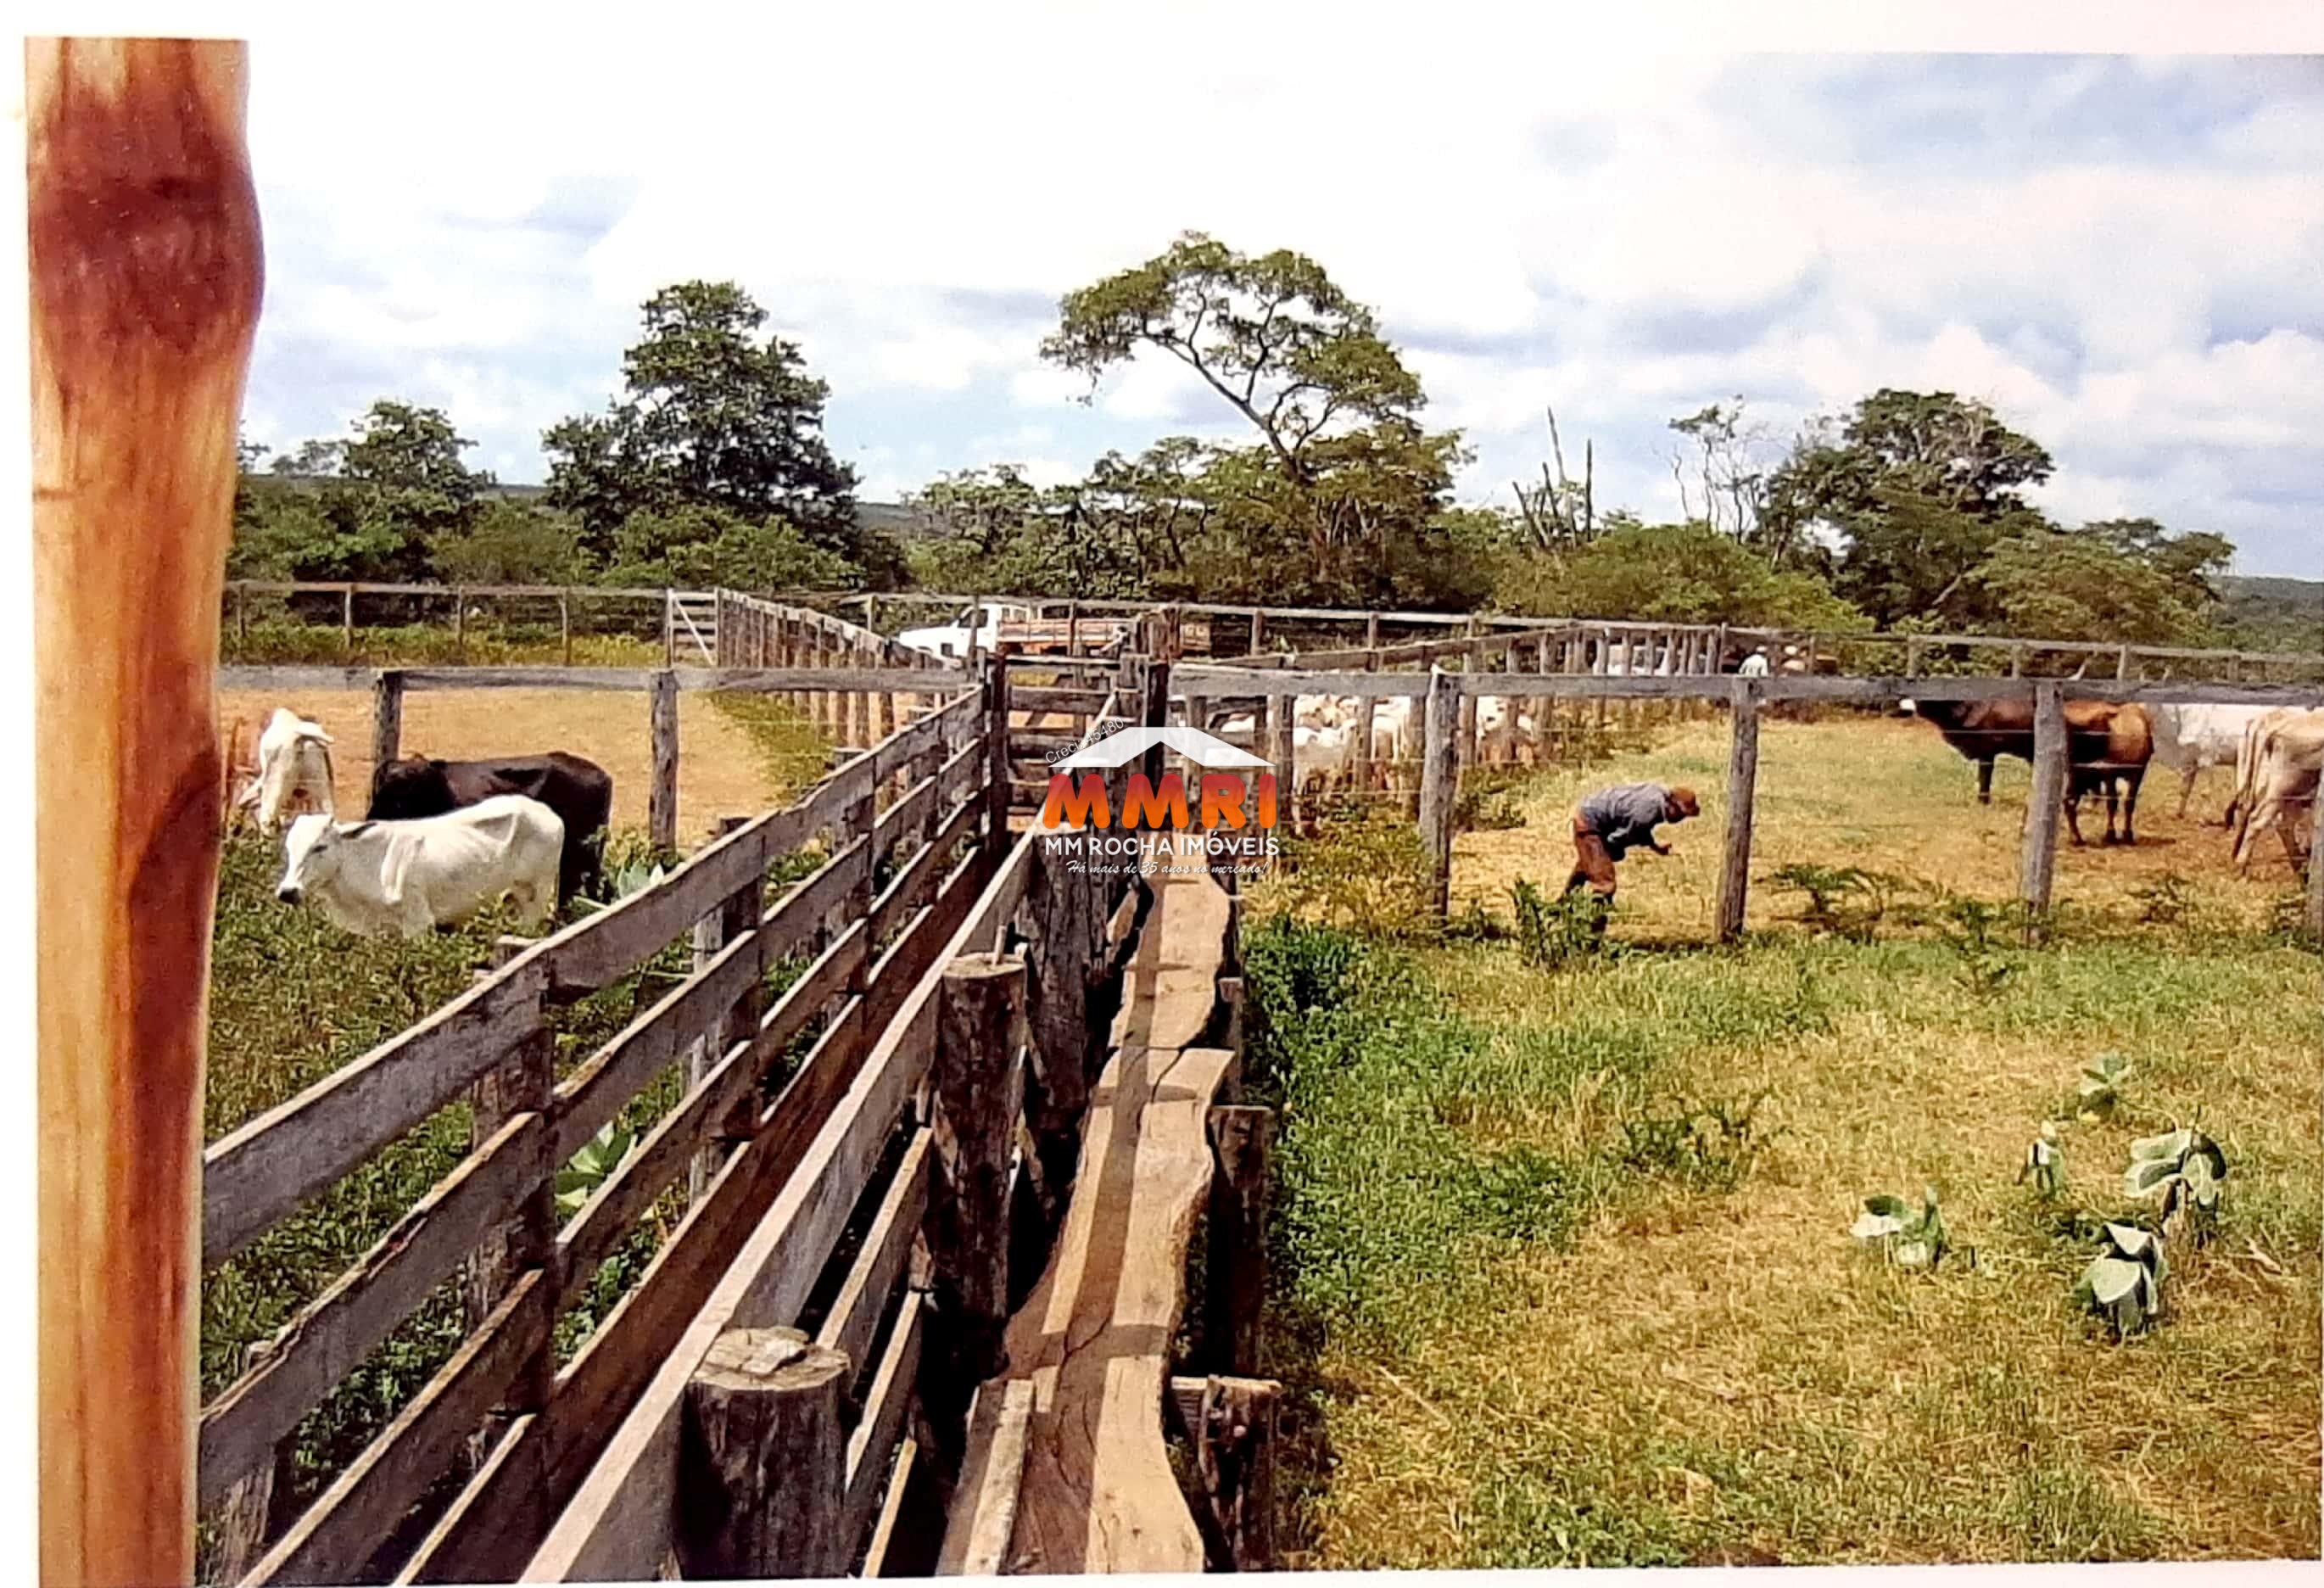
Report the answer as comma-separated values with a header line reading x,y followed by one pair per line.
x,y
1906,512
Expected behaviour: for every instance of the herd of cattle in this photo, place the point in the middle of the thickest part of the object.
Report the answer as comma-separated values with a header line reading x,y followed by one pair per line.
x,y
2277,753
441,840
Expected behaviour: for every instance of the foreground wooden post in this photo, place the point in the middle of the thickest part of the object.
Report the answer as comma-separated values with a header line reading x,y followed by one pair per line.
x,y
1231,1423
1235,1290
144,257
977,1095
1742,792
762,1460
386,717
2043,805
1439,778
661,796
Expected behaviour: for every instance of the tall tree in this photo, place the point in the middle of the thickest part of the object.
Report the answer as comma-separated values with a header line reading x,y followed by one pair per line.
x,y
1340,465
2128,579
712,415
1915,488
398,488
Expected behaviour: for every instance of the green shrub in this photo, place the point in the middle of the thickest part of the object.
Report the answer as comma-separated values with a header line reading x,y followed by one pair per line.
x,y
1848,901
1372,874
1555,932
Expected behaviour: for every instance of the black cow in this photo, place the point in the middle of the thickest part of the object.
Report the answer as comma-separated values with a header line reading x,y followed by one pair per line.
x,y
581,793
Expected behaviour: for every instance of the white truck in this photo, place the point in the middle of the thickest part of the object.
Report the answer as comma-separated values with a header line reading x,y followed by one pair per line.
x,y
976,627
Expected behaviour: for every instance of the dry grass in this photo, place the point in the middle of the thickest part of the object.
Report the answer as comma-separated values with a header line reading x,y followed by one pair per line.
x,y
1693,1374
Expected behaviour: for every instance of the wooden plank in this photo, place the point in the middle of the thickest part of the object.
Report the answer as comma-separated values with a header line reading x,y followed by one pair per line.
x,y
604,1084
891,1512
984,1510
327,1338
886,1408
273,1164
1098,1494
504,1499
338,1534
898,970
862,1297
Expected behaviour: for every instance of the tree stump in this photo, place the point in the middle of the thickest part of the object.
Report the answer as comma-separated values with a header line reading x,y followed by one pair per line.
x,y
762,1464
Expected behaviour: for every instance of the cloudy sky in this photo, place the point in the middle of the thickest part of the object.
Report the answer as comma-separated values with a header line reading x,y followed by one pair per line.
x,y
2124,254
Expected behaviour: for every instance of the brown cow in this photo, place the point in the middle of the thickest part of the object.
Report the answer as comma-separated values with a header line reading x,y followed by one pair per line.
x,y
2107,747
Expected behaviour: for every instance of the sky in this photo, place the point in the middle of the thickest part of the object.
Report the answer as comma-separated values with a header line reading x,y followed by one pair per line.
x,y
2122,254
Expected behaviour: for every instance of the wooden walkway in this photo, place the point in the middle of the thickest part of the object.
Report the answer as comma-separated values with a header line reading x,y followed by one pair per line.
x,y
1066,1471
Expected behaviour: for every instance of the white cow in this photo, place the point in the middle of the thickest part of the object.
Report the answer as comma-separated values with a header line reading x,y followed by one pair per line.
x,y
2193,737
1755,665
2286,757
371,878
294,768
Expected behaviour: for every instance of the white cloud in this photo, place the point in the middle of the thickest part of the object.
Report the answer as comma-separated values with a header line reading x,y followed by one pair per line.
x,y
1539,211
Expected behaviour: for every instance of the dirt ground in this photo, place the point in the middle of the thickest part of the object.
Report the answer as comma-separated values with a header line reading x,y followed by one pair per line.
x,y
719,771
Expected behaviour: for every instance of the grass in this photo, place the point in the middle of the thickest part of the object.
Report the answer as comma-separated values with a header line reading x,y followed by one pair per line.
x,y
1563,1260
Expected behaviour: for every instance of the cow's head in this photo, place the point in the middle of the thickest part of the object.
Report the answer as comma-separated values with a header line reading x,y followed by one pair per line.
x,y
412,786
312,852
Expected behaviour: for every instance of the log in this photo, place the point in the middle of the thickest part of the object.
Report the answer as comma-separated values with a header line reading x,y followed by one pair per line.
x,y
2043,805
144,271
661,794
762,1460
977,1098
1232,1431
1742,786
386,718
1235,1290
1440,776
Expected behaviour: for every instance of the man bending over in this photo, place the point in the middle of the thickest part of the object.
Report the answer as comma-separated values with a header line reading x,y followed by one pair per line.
x,y
1610,822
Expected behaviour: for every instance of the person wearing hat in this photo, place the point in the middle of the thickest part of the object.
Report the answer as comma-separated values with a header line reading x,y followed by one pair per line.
x,y
1610,822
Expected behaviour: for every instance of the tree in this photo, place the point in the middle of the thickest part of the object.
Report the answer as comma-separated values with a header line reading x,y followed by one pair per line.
x,y
998,532
399,490
1674,573
699,547
1340,468
1915,489
1730,479
511,543
2125,579
712,416
313,459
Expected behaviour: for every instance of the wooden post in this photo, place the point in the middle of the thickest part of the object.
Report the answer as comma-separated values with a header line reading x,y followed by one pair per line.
x,y
1073,628
1257,632
347,619
669,628
661,794
739,914
762,1460
995,670
519,1084
386,719
459,624
1742,787
240,610
1439,778
977,1095
1912,657
2017,660
1231,1426
2123,664
1372,631
144,271
2044,805
1283,754
565,626
1236,1246
1367,709
1154,711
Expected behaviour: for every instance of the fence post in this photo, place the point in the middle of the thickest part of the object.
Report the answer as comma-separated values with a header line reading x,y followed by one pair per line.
x,y
1366,708
1440,777
997,770
460,624
1372,631
662,797
1912,657
520,1083
1154,711
669,627
2017,661
1283,754
565,626
1232,1430
347,618
2122,663
762,1461
1073,628
2043,805
386,719
1235,1247
1257,630
737,914
977,1095
241,610
1742,788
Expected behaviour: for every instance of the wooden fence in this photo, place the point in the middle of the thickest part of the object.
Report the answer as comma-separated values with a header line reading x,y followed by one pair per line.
x,y
1447,738
918,809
